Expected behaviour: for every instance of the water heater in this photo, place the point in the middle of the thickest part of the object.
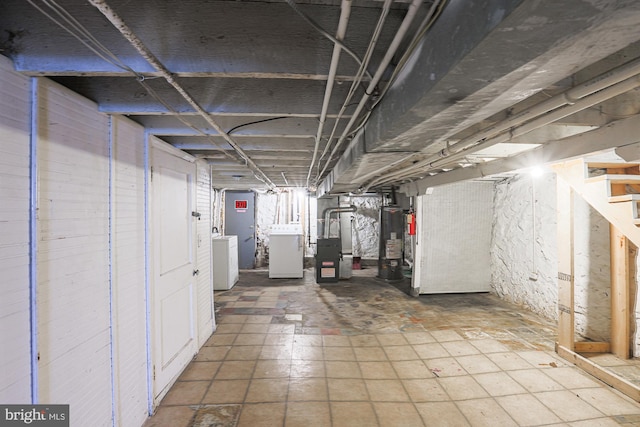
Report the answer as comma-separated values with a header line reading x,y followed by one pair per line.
x,y
392,225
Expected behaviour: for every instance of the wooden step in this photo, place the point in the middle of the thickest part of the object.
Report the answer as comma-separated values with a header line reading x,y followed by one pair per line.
x,y
598,192
611,168
624,198
618,185
634,199
615,179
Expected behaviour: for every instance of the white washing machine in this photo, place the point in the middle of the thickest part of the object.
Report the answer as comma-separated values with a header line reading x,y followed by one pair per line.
x,y
286,251
224,260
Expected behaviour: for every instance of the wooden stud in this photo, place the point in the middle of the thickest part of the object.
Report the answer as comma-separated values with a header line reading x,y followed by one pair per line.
x,y
565,265
620,320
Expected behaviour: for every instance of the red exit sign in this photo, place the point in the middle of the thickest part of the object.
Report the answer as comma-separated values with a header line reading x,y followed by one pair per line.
x,y
241,204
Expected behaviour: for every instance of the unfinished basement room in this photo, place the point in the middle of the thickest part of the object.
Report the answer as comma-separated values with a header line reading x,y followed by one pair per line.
x,y
240,213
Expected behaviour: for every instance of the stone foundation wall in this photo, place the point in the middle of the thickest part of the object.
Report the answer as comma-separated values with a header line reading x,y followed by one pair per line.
x,y
524,253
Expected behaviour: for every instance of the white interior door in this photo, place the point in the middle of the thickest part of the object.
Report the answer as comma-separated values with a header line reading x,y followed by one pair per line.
x,y
173,282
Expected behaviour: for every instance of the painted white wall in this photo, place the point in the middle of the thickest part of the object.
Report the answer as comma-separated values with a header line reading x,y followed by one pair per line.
x,y
266,216
89,254
15,336
366,226
73,291
206,318
269,211
128,272
521,252
592,282
273,208
364,223
455,222
517,256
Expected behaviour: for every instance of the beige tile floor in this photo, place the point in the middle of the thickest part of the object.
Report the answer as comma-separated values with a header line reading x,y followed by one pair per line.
x,y
362,353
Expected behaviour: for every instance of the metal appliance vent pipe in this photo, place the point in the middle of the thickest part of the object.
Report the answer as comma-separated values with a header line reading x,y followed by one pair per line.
x,y
326,215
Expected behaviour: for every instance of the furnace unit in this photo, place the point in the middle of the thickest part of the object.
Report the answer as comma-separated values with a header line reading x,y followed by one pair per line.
x,y
328,260
391,243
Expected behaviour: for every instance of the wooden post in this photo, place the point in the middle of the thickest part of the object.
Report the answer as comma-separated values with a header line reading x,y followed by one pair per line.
x,y
620,327
564,208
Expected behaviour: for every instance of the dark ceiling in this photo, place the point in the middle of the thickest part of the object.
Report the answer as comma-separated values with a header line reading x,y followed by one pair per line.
x,y
344,96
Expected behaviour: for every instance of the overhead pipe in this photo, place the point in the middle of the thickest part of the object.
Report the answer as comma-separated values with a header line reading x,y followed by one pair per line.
x,y
438,161
126,32
434,12
345,13
391,51
434,162
598,89
361,72
318,28
326,215
429,19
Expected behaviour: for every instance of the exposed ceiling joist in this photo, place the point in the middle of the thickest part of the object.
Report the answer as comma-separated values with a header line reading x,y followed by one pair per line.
x,y
264,97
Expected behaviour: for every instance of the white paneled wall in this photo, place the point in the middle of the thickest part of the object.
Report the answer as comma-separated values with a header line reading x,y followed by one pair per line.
x,y
73,292
206,322
455,225
128,272
15,361
89,253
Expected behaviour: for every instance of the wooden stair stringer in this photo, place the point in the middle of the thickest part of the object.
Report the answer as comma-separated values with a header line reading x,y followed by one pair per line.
x,y
597,193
